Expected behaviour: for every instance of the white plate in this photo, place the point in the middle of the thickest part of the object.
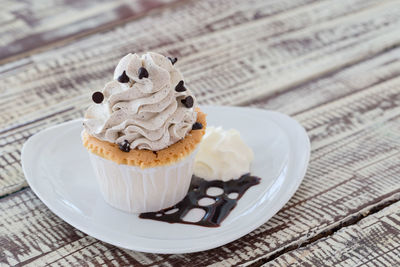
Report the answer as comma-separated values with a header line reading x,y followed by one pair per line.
x,y
57,168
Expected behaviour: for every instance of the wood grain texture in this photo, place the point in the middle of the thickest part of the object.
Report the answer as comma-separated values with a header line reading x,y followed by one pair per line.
x,y
336,85
268,38
373,241
28,24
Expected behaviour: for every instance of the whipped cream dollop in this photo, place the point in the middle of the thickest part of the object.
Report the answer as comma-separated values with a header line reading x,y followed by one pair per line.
x,y
222,155
145,105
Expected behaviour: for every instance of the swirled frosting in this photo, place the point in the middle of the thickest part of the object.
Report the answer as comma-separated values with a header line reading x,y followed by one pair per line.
x,y
222,155
148,113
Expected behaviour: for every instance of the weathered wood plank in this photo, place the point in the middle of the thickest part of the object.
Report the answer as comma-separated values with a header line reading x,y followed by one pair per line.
x,y
336,85
351,175
28,25
373,241
57,84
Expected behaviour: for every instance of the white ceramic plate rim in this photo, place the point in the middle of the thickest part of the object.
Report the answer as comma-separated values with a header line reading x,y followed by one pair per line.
x,y
300,149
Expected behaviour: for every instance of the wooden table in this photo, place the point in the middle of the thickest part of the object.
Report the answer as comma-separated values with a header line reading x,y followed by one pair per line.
x,y
332,65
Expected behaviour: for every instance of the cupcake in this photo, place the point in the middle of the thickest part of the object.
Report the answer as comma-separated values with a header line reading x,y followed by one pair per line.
x,y
142,134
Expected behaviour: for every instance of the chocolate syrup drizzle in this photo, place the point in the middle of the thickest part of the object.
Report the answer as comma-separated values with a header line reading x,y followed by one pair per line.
x,y
214,213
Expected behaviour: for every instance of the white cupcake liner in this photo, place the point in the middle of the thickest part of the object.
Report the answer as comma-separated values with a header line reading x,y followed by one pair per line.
x,y
136,190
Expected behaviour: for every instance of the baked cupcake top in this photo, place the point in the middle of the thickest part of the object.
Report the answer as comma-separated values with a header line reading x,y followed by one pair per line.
x,y
146,106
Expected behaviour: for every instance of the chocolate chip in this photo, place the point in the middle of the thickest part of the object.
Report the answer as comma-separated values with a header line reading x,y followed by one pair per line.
x,y
197,126
97,97
142,73
125,146
173,60
188,102
180,87
123,78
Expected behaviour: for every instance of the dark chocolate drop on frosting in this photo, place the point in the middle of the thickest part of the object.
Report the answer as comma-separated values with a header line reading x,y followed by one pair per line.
x,y
125,146
197,126
173,60
142,73
180,87
97,97
188,102
123,78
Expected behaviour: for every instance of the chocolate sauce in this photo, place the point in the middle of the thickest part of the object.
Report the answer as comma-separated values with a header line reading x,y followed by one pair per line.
x,y
214,213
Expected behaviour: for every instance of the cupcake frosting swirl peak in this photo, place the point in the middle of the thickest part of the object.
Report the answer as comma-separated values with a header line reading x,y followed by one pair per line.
x,y
142,106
